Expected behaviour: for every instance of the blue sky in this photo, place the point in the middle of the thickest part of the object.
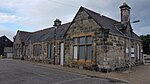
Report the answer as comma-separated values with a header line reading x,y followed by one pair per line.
x,y
33,15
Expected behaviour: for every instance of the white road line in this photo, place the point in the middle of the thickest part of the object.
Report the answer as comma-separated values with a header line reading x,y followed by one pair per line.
x,y
70,80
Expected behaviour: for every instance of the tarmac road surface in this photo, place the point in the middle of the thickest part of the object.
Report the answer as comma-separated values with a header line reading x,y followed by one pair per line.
x,y
12,72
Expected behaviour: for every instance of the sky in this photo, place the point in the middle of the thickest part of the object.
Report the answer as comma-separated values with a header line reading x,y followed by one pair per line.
x,y
33,15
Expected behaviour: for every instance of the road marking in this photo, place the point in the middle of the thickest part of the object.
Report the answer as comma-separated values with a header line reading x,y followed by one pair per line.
x,y
70,80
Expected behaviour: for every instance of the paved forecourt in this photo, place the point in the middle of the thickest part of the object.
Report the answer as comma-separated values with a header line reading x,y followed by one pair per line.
x,y
13,72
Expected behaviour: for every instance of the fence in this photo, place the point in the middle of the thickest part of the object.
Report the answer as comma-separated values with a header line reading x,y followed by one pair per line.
x,y
146,59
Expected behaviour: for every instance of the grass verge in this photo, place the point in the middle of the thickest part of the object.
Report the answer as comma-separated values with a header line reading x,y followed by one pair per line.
x,y
1,57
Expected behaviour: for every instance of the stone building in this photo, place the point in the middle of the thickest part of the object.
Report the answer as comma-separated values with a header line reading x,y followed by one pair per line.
x,y
42,46
90,40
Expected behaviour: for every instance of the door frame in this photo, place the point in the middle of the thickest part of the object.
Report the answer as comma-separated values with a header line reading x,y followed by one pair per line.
x,y
62,54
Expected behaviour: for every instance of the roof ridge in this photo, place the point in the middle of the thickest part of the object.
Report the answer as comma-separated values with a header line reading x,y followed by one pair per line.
x,y
49,28
103,21
93,14
41,30
86,9
24,31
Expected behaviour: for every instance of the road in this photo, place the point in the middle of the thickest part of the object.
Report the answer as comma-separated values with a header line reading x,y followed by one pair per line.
x,y
14,72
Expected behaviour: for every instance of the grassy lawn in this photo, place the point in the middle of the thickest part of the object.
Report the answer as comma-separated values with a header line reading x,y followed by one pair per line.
x,y
1,57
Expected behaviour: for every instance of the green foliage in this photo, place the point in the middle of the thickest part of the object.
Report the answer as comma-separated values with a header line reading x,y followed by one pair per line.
x,y
146,43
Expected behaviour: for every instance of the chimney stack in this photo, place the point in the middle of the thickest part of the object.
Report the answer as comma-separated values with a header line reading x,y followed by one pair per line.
x,y
125,14
57,22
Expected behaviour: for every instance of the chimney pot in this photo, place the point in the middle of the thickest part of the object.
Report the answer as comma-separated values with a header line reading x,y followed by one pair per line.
x,y
57,22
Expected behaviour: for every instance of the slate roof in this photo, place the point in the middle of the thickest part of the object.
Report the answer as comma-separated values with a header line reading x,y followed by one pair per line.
x,y
135,36
48,33
24,35
61,30
105,22
108,23
43,35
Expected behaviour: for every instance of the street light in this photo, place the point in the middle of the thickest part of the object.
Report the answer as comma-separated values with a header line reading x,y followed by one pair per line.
x,y
136,21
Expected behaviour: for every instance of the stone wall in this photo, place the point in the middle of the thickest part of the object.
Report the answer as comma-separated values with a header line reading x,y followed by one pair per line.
x,y
82,25
110,52
108,49
43,57
17,49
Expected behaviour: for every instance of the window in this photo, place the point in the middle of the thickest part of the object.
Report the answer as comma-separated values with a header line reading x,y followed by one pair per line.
x,y
82,48
89,52
18,49
75,49
89,40
82,40
50,51
75,41
36,50
81,52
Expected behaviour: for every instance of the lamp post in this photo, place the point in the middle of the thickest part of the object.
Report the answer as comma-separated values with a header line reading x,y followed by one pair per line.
x,y
136,21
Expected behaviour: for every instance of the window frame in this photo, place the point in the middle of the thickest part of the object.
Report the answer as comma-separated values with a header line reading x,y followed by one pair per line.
x,y
86,44
37,49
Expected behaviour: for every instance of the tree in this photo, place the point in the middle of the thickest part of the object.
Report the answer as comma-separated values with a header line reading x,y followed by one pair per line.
x,y
146,43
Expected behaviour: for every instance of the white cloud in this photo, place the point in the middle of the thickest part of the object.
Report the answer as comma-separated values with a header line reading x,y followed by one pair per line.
x,y
38,13
8,32
4,18
41,13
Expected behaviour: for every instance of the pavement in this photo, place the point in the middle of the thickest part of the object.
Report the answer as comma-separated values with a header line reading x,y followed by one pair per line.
x,y
139,75
18,72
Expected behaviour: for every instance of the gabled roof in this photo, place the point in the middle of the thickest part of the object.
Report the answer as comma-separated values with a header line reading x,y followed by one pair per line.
x,y
48,33
135,36
105,22
3,38
108,23
43,35
24,36
39,35
60,32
